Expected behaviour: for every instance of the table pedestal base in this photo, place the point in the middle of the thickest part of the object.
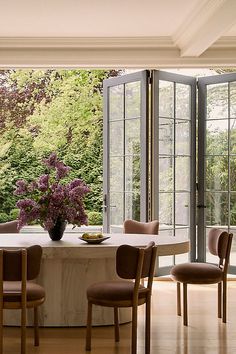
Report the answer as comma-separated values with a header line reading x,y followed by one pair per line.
x,y
66,281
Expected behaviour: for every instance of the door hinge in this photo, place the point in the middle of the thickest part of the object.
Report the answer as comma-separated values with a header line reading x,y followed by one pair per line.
x,y
150,77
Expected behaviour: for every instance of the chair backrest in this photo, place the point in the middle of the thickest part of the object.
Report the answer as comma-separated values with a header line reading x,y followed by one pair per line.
x,y
13,263
219,244
9,227
136,263
137,227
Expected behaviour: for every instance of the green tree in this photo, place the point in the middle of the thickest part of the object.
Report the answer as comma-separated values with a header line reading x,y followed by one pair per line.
x,y
54,111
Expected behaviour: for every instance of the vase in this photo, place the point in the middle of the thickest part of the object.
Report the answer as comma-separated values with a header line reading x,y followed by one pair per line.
x,y
57,231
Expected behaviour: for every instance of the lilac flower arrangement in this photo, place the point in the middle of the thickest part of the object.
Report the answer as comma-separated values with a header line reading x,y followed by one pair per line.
x,y
48,200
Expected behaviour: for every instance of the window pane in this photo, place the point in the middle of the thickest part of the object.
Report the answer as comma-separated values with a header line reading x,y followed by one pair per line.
x,y
182,173
233,173
132,173
217,137
165,261
116,174
233,211
116,102
165,232
166,99
166,166
217,209
166,136
116,208
182,258
217,101
132,136
232,138
182,101
132,206
182,204
166,208
132,100
116,138
232,99
217,173
182,137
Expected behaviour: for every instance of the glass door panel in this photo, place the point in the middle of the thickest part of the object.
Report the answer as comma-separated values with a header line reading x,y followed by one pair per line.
x,y
217,160
173,160
125,149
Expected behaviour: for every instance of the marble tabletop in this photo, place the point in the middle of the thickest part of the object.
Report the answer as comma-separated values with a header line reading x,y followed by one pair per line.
x,y
71,246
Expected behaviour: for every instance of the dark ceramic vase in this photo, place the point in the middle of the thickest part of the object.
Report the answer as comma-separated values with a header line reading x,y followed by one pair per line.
x,y
57,231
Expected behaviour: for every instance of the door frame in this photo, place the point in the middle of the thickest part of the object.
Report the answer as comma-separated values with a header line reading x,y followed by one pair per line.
x,y
202,114
143,77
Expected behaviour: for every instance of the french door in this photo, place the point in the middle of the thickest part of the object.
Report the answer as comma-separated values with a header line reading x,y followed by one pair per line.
x,y
150,138
217,160
125,177
174,160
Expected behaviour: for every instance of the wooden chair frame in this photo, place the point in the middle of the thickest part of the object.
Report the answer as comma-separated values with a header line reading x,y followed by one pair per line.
x,y
134,303
23,304
222,289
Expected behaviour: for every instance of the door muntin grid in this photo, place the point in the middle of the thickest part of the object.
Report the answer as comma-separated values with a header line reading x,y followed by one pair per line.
x,y
218,187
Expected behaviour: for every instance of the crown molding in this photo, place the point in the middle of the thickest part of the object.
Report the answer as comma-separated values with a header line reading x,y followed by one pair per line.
x,y
108,53
86,42
113,58
225,42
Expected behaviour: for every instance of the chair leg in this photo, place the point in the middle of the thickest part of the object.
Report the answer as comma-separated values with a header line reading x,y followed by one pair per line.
x,y
185,304
224,300
219,300
134,329
89,326
116,323
178,299
1,329
148,326
23,330
36,327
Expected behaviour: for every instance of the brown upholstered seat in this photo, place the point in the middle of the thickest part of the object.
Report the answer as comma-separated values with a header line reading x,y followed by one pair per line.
x,y
196,273
12,291
219,244
137,227
18,269
9,227
114,291
131,263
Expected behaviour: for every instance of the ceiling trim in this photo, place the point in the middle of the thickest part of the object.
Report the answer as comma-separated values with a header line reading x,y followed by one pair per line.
x,y
86,42
207,23
145,52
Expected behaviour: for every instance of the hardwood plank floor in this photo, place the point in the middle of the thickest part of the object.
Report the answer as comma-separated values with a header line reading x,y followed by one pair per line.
x,y
204,335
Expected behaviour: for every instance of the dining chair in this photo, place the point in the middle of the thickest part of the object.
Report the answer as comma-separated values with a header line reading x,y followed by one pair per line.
x,y
17,291
137,227
219,244
9,227
132,264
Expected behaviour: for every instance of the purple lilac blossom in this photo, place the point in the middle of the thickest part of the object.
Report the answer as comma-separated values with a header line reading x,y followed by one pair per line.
x,y
62,170
32,186
51,161
47,202
21,187
43,183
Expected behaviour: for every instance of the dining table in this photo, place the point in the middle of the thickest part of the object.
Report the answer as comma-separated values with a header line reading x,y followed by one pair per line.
x,y
70,265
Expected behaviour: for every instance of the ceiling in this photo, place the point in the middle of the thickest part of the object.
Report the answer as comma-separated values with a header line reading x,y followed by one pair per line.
x,y
188,31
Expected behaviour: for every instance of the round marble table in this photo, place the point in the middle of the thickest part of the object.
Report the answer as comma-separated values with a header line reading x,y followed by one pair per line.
x,y
69,266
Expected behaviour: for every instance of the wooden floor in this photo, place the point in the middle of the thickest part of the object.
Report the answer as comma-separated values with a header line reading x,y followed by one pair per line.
x,y
205,333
